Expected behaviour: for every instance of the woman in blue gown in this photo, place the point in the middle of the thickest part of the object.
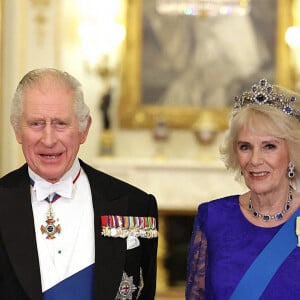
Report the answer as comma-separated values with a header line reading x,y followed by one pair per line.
x,y
245,246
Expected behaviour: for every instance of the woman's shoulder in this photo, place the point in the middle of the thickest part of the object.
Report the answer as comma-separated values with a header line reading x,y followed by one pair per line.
x,y
224,202
224,205
219,211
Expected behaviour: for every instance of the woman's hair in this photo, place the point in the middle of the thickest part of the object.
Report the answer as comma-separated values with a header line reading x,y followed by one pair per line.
x,y
38,77
267,119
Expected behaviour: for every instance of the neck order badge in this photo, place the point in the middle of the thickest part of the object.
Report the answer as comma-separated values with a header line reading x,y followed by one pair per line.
x,y
50,229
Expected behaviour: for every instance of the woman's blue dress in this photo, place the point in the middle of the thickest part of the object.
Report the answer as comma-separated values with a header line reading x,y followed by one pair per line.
x,y
223,246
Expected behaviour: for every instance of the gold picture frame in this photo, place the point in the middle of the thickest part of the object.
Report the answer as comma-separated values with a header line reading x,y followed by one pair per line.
x,y
135,114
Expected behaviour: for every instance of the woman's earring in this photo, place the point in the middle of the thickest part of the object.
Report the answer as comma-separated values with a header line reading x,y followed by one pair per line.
x,y
291,170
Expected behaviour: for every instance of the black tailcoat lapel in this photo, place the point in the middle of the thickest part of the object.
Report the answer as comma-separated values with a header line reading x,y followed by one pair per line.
x,y
110,252
115,197
18,233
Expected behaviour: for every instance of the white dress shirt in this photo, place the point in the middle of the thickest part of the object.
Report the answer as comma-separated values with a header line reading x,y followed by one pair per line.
x,y
73,249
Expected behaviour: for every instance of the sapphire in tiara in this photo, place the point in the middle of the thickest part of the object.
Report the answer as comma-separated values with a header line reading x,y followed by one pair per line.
x,y
261,98
287,109
263,94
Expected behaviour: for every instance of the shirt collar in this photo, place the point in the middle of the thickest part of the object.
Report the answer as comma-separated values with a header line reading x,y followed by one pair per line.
x,y
64,187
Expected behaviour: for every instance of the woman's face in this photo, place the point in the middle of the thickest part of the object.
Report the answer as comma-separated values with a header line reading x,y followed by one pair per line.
x,y
263,159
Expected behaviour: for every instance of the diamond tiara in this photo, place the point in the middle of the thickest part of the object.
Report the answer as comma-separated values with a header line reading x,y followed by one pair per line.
x,y
263,94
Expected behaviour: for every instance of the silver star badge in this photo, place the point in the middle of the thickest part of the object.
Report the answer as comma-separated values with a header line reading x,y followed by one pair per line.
x,y
126,288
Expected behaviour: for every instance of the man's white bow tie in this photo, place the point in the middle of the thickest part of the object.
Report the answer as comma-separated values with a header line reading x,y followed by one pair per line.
x,y
44,188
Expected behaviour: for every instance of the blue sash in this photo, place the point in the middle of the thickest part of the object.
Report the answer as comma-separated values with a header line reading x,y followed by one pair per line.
x,y
76,287
259,274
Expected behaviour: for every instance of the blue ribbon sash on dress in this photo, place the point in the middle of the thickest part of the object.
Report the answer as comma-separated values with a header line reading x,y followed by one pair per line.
x,y
259,274
76,287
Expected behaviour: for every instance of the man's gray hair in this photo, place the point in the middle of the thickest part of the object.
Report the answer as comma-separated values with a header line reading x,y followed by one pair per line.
x,y
37,77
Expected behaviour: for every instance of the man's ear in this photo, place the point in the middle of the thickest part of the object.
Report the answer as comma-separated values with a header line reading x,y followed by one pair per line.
x,y
85,132
18,135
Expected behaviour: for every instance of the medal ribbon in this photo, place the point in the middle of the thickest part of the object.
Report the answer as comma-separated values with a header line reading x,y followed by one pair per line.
x,y
124,226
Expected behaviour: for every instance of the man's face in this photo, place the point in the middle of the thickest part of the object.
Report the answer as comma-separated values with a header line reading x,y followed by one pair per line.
x,y
49,132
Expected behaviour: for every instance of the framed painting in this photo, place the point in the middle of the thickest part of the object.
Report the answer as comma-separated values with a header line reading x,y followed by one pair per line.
x,y
181,68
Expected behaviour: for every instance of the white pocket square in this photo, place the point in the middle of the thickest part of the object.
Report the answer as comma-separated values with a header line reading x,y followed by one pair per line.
x,y
132,242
